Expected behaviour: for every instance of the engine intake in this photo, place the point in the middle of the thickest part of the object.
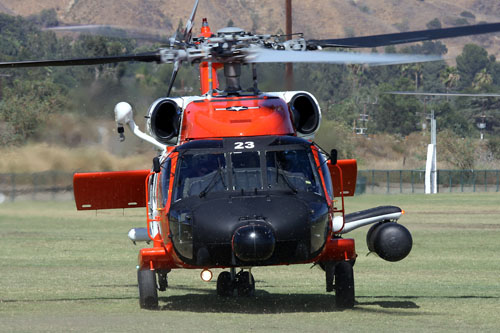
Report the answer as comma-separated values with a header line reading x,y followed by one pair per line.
x,y
165,117
305,112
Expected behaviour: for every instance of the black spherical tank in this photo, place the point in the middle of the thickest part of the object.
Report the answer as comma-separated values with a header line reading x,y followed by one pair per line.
x,y
390,240
253,243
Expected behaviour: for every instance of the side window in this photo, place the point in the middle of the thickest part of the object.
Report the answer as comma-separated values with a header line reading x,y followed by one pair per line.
x,y
326,174
165,181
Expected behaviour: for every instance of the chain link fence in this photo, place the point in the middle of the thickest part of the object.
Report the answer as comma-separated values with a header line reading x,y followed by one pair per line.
x,y
56,185
412,181
42,186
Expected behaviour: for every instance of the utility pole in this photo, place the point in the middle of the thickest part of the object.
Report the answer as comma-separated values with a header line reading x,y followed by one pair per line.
x,y
288,32
431,164
363,117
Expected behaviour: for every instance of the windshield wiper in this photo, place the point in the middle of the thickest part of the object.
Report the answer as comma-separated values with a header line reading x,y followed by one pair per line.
x,y
213,181
284,176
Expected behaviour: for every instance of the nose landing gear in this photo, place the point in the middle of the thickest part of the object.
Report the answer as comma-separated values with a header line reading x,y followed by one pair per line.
x,y
243,282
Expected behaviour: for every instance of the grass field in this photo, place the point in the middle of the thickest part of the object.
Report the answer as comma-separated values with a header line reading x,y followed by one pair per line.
x,y
63,270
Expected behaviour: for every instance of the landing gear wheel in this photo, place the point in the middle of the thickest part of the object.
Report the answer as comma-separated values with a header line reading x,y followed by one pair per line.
x,y
245,284
148,295
224,285
344,285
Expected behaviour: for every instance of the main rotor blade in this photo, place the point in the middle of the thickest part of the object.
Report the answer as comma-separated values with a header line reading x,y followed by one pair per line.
x,y
188,31
189,25
372,59
142,57
404,37
416,93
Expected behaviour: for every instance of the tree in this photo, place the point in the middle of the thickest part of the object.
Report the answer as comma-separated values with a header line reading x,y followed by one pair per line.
x,y
414,71
397,113
451,118
434,24
459,152
472,60
46,18
26,105
482,79
450,77
333,134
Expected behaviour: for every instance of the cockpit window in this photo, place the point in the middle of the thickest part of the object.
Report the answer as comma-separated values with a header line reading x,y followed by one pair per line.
x,y
200,173
291,169
247,174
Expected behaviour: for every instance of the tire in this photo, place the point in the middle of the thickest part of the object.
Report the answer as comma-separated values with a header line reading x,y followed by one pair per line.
x,y
246,284
344,285
148,294
224,285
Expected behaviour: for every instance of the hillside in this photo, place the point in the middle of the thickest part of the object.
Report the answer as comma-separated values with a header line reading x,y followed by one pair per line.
x,y
315,18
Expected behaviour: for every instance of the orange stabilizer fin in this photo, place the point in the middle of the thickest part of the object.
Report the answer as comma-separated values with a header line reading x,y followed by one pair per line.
x,y
347,177
110,190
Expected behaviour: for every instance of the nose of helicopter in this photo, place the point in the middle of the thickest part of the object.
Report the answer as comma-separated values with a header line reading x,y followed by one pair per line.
x,y
253,243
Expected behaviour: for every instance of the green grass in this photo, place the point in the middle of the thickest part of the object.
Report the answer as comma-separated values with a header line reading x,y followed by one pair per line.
x,y
65,270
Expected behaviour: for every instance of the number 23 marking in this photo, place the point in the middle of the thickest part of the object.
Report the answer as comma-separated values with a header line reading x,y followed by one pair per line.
x,y
244,145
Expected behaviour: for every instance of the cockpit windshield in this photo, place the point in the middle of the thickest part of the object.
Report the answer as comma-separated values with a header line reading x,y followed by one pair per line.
x,y
199,173
246,168
291,169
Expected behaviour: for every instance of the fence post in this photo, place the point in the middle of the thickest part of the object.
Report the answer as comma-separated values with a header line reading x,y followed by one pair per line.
x,y
462,180
387,181
400,181
411,176
473,181
485,181
449,173
35,186
437,181
13,187
54,184
373,180
498,181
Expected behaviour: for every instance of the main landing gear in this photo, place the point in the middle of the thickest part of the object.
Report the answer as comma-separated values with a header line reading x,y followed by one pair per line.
x,y
148,287
148,294
243,282
340,277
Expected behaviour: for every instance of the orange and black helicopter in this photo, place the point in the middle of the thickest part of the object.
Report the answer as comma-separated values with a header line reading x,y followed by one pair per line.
x,y
238,181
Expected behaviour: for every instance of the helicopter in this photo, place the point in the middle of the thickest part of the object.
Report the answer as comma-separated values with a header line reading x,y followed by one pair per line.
x,y
238,181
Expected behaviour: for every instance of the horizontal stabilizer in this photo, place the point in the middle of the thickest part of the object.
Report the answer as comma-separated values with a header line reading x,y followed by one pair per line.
x,y
369,216
109,190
